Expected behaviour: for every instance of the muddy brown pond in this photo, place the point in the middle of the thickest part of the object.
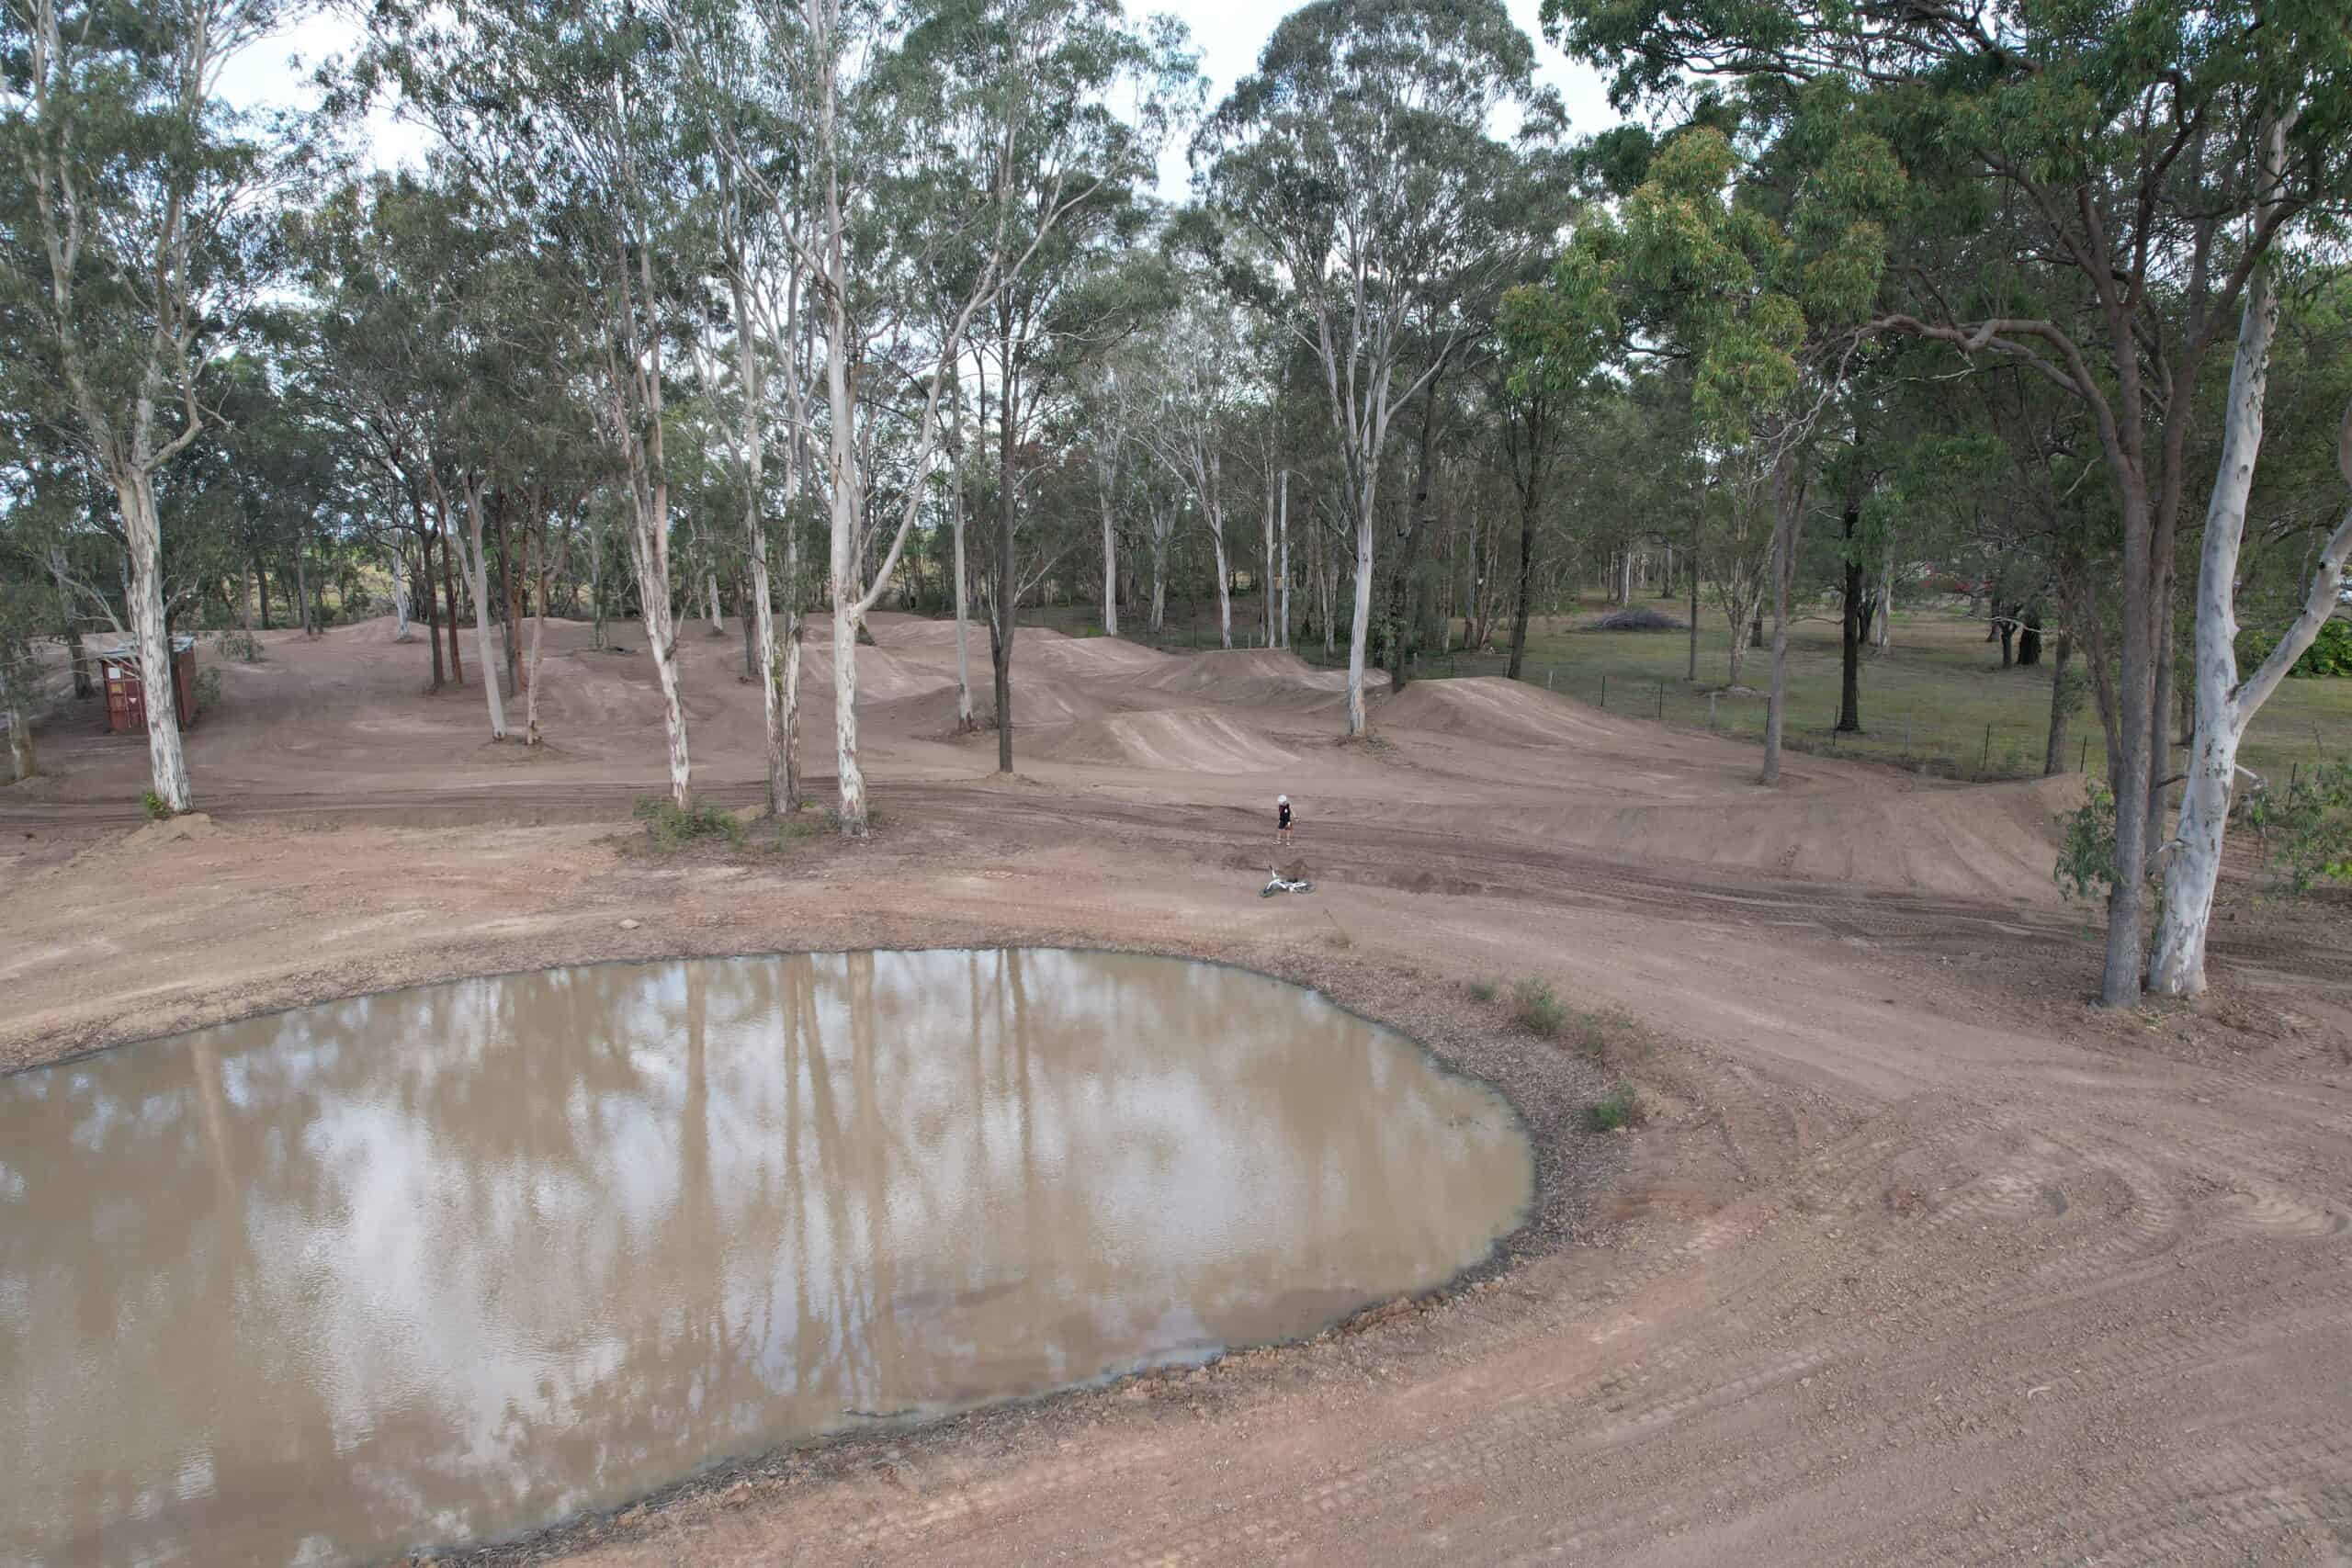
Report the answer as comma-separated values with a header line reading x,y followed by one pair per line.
x,y
451,1263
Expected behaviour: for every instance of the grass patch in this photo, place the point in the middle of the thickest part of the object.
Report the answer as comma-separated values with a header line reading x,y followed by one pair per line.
x,y
671,828
795,828
157,809
1536,1008
1607,1036
1620,1109
1938,703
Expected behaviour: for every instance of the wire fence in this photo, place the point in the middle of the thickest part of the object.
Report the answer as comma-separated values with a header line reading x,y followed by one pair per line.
x,y
1924,739
1915,727
1929,741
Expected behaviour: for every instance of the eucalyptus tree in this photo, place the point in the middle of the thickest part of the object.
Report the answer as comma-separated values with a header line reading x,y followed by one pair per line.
x,y
2108,180
133,246
1111,454
1110,343
763,311
1188,406
1551,344
749,79
1361,156
375,259
937,151
566,119
1756,264
2227,699
1019,104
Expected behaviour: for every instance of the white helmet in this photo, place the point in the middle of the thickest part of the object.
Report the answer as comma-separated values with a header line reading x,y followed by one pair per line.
x,y
1282,800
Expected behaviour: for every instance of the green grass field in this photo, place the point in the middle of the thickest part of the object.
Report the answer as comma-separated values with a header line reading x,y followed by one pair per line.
x,y
1939,698
1938,701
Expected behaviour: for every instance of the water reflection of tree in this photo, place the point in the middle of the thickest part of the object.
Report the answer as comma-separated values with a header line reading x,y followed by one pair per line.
x,y
506,1247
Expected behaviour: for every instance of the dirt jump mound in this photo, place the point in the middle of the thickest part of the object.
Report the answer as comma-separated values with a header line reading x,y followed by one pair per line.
x,y
1489,707
1263,678
1199,740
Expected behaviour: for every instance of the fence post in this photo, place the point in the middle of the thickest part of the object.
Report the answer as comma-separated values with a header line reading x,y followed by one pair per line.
x,y
1547,677
2083,757
1604,690
1711,713
1985,761
1907,735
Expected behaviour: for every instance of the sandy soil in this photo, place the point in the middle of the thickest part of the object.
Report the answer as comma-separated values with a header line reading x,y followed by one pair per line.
x,y
1918,1260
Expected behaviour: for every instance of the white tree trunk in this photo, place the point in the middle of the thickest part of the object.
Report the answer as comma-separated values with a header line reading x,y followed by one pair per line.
x,y
400,594
595,573
1284,641
853,779
649,540
531,675
1265,574
965,723
1110,572
796,626
710,613
21,763
17,695
1788,507
842,465
1360,624
1224,584
478,583
166,763
1885,641
2224,707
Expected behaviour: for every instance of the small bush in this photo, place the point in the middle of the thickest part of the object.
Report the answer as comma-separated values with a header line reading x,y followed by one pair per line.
x,y
1482,991
235,642
1535,1009
671,828
2330,653
1621,1107
1606,1035
2304,832
1637,618
157,809
208,686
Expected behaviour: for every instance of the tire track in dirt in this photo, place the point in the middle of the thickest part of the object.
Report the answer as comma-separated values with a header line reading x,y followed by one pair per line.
x,y
2085,1298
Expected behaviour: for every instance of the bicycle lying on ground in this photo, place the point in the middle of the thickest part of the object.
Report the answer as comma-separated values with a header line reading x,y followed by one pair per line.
x,y
1277,882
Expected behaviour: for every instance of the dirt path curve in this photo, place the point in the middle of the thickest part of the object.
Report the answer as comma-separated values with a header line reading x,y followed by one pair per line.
x,y
1918,1260
1891,1278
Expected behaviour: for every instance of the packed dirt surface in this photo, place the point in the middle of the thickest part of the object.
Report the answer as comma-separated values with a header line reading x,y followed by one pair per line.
x,y
1916,1259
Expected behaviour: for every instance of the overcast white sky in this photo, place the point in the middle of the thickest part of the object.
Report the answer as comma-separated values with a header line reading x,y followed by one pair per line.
x,y
1229,33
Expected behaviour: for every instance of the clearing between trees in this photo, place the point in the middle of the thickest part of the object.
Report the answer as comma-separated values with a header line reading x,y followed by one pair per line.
x,y
1916,1257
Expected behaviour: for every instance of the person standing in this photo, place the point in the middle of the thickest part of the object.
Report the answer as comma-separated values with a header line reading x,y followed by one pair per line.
x,y
1282,821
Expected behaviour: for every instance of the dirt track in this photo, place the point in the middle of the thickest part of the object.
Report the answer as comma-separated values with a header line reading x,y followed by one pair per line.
x,y
1919,1261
